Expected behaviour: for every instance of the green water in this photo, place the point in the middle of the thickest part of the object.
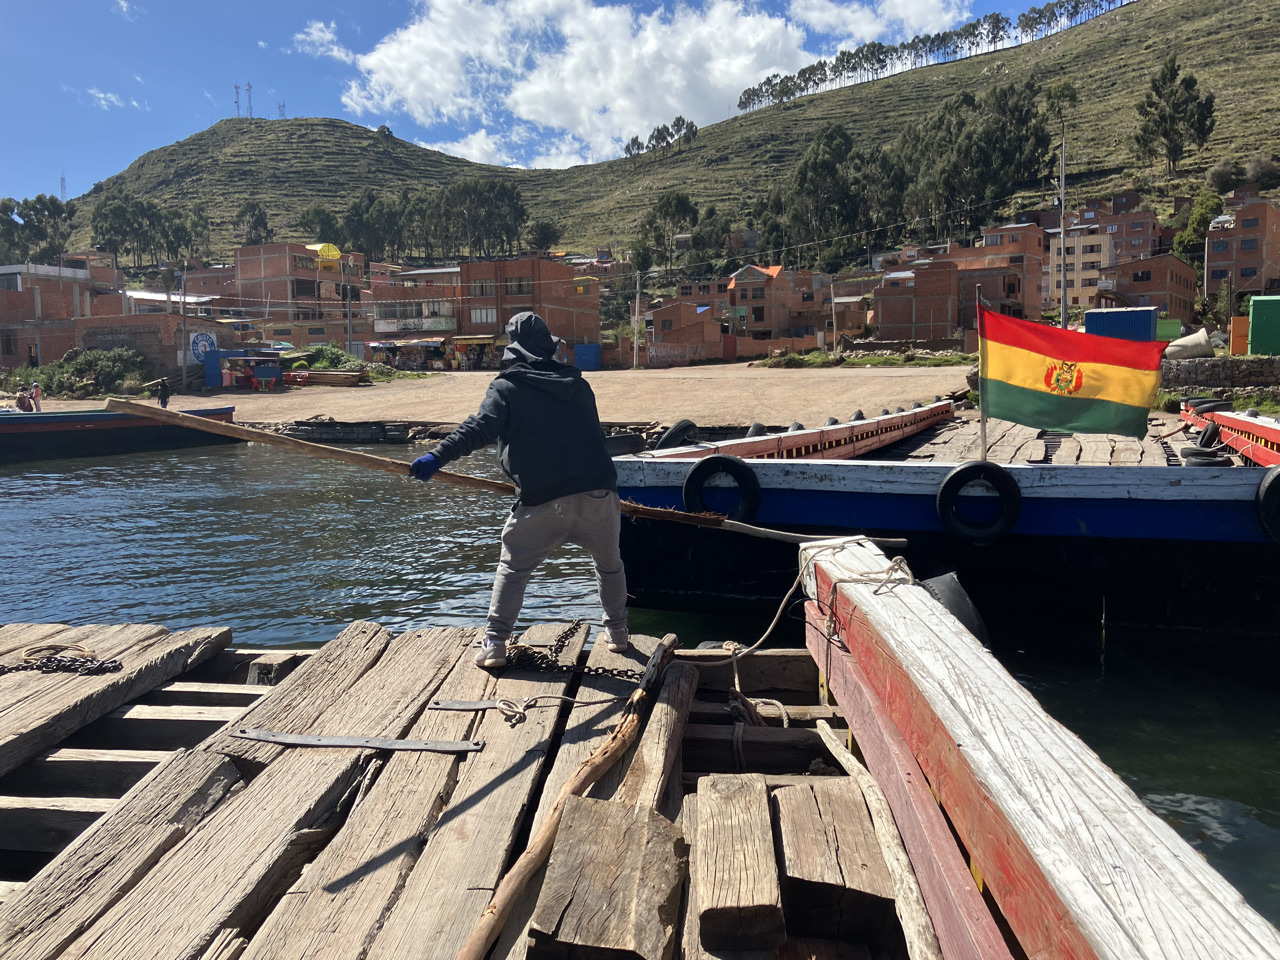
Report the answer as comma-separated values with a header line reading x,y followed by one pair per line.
x,y
286,550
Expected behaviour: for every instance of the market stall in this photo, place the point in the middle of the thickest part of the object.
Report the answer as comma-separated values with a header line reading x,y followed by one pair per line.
x,y
478,352
423,353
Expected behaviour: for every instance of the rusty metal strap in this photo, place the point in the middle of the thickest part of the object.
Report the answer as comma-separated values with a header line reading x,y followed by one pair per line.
x,y
359,743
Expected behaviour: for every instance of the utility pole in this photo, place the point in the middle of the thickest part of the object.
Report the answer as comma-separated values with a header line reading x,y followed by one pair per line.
x,y
186,341
635,328
248,92
237,86
1062,220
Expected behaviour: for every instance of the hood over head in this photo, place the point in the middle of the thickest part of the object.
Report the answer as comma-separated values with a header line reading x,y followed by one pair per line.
x,y
530,339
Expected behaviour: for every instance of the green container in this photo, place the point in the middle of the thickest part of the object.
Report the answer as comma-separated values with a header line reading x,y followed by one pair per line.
x,y
1264,326
1168,329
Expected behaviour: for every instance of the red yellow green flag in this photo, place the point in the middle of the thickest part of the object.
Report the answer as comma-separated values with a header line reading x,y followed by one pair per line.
x,y
1054,379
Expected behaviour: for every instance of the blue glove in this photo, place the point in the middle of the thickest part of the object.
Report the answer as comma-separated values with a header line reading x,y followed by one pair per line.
x,y
425,467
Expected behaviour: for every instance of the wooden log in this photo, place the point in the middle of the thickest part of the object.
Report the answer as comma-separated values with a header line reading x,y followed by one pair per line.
x,y
40,710
509,890
835,884
248,851
733,868
47,824
613,884
189,693
141,726
710,747
106,861
590,723
658,750
75,772
342,899
270,668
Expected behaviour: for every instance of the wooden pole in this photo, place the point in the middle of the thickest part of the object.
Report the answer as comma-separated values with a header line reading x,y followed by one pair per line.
x,y
982,355
589,771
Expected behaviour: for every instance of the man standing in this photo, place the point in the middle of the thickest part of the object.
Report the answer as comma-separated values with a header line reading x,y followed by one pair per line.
x,y
163,392
543,416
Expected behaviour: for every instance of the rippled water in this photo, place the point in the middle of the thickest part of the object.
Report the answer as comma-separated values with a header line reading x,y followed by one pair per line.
x,y
286,550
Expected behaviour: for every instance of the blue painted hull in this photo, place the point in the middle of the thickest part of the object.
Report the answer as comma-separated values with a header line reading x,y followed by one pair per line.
x,y
28,437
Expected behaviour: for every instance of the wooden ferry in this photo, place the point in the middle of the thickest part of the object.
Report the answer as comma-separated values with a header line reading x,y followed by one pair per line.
x,y
26,437
381,797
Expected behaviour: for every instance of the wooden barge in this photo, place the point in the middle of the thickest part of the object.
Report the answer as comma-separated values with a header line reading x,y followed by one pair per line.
x,y
181,816
25,437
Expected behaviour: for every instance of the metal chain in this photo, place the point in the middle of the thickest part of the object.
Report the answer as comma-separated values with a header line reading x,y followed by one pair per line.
x,y
84,666
548,661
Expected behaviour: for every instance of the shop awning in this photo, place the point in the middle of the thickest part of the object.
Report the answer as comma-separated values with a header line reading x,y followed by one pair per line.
x,y
485,339
420,342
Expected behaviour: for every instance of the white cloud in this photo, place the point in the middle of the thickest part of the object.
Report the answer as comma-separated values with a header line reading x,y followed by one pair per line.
x,y
320,39
913,17
262,44
849,23
104,100
209,96
481,146
128,10
139,79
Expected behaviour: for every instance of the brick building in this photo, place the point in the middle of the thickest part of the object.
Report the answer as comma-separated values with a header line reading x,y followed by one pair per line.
x,y
769,303
1096,241
1009,266
1162,281
1242,248
921,302
713,294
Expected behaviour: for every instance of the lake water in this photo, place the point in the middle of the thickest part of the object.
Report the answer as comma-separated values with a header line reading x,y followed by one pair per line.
x,y
286,550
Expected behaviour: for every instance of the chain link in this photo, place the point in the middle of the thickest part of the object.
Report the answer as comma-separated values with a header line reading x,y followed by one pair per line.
x,y
548,661
84,666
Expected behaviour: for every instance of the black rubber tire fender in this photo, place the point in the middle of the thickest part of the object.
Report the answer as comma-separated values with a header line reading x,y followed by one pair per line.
x,y
1201,453
1214,406
1006,488
678,434
1210,462
831,422
1266,504
795,425
733,467
1208,436
857,416
757,430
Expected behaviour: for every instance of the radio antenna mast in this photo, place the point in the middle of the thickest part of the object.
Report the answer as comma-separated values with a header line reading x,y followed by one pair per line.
x,y
248,92
237,99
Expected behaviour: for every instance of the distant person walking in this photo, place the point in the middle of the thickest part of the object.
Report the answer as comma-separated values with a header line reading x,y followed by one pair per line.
x,y
36,394
163,392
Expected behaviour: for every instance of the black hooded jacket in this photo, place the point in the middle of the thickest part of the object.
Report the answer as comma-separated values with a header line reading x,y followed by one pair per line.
x,y
543,416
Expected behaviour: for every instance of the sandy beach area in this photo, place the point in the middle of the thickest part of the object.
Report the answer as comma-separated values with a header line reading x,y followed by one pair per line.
x,y
711,395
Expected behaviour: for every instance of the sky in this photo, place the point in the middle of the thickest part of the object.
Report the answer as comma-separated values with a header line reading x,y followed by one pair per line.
x,y
93,84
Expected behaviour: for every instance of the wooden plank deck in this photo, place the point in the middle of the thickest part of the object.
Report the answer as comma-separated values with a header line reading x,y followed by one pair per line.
x,y
1078,866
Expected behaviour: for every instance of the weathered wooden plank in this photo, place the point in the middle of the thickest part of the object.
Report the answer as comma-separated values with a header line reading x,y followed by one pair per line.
x,y
17,637
106,861
1153,453
270,668
785,675
835,884
714,748
1004,449
235,863
1032,451
1076,862
589,723
9,889
340,901
1068,451
445,894
227,945
232,665
47,824
142,726
192,693
40,710
733,868
1094,449
798,715
74,772
1126,452
658,750
613,884
307,693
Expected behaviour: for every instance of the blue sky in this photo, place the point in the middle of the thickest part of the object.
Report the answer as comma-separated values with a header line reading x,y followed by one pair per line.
x,y
93,84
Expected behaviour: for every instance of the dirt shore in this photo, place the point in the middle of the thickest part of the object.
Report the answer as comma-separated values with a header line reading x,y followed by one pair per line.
x,y
713,395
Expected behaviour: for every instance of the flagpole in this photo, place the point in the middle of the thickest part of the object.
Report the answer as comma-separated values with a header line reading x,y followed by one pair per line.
x,y
982,394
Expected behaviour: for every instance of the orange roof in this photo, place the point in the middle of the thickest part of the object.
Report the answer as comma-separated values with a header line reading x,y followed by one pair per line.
x,y
770,272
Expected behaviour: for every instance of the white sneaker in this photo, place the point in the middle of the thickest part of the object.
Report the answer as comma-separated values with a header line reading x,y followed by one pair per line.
x,y
492,655
618,642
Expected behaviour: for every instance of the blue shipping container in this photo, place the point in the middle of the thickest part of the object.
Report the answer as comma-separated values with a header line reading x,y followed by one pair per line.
x,y
586,356
1123,323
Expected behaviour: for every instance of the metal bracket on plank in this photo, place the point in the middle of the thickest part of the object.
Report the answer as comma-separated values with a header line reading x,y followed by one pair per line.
x,y
462,705
360,743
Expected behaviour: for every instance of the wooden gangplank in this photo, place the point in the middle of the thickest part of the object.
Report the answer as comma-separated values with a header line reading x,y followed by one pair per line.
x,y
1077,865
280,851
957,441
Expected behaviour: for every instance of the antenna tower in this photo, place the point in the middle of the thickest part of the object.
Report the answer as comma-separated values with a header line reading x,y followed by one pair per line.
x,y
237,99
248,92
62,183
280,109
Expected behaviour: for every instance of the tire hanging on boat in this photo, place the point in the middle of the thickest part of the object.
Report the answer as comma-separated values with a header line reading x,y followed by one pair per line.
x,y
1006,489
734,468
757,430
1208,436
1266,504
677,435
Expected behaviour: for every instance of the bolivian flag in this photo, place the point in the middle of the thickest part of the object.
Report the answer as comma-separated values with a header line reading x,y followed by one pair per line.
x,y
1056,379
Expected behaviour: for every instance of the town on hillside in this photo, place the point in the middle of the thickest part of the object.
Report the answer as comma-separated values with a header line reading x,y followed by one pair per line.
x,y
295,296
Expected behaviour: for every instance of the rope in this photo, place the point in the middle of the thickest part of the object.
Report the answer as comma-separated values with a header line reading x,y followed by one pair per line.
x,y
516,712
786,717
42,650
738,757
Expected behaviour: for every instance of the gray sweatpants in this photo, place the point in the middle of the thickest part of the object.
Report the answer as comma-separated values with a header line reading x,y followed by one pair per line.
x,y
591,520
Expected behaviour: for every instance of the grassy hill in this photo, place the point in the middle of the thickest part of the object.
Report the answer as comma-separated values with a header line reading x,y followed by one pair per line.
x,y
1233,46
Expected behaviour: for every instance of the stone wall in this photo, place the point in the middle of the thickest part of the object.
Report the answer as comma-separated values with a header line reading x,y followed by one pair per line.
x,y
1229,373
